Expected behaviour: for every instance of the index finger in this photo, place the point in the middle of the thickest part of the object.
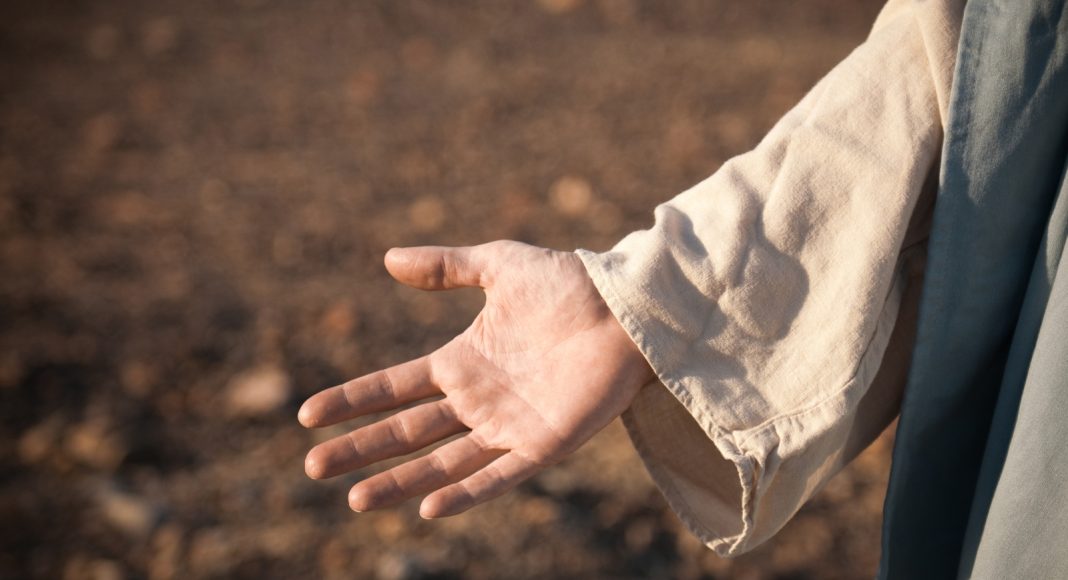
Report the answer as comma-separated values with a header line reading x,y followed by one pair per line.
x,y
379,391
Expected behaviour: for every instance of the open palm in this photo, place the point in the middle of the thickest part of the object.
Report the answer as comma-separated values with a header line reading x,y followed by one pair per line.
x,y
542,368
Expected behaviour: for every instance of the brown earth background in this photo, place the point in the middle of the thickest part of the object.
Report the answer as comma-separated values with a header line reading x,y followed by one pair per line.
x,y
195,198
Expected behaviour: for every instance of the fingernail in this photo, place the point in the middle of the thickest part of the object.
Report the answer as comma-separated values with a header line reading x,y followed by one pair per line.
x,y
304,417
398,256
312,468
356,499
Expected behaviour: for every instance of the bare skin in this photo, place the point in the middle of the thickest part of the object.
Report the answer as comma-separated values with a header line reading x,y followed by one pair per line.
x,y
542,368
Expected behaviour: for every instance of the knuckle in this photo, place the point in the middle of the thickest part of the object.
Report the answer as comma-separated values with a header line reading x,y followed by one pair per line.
x,y
399,430
440,272
494,476
436,464
445,411
354,446
386,388
478,439
350,392
464,497
540,457
444,369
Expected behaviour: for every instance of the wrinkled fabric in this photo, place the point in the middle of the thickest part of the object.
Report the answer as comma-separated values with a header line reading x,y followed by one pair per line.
x,y
977,486
1019,517
777,299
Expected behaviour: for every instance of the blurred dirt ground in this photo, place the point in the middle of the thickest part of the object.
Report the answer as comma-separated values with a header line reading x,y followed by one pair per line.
x,y
194,202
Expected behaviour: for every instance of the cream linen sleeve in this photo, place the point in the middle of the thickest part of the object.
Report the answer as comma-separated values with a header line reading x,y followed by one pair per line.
x,y
776,299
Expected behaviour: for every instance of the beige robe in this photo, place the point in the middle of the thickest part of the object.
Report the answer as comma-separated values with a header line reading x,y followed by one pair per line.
x,y
776,300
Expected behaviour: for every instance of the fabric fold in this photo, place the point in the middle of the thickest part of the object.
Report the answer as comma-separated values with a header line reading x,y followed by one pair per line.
x,y
768,297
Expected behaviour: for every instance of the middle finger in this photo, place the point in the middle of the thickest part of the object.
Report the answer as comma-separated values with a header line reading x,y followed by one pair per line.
x,y
400,434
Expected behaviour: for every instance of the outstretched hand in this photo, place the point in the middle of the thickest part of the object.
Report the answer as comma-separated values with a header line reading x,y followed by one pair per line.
x,y
543,367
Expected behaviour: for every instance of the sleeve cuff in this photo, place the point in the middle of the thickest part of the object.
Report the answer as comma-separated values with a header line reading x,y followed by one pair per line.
x,y
735,488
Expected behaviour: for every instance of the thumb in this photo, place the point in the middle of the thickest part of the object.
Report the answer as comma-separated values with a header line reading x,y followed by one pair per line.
x,y
435,267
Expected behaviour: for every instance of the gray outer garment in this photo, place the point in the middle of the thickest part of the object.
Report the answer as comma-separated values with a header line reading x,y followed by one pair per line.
x,y
979,483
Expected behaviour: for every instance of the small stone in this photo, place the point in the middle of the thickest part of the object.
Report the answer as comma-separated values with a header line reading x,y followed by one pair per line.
x,y
11,368
606,217
147,98
808,539
515,207
717,566
560,482
7,214
96,443
396,566
159,36
363,87
610,513
279,541
75,567
618,12
571,196
335,559
871,463
213,195
839,490
425,309
761,51
41,441
166,553
418,53
105,570
212,552
286,249
639,535
124,208
81,567
683,140
257,392
389,525
732,130
419,167
131,514
339,320
103,42
427,214
538,511
559,6
137,378
100,133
